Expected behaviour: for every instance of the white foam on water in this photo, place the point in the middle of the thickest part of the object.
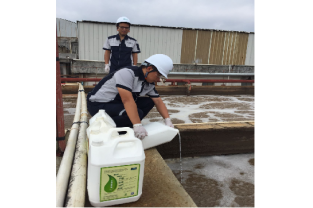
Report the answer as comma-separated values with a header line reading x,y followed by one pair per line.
x,y
220,168
188,109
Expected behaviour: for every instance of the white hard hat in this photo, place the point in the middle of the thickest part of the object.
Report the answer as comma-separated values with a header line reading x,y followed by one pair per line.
x,y
162,62
122,19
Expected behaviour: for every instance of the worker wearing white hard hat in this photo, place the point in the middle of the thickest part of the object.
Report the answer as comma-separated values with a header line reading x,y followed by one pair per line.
x,y
120,50
122,94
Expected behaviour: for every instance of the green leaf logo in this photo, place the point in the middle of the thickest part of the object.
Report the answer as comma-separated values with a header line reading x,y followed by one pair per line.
x,y
111,184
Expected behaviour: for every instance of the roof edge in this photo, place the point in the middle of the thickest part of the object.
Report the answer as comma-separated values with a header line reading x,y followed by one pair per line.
x,y
183,28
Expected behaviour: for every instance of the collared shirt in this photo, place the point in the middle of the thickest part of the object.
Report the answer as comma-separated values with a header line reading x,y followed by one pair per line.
x,y
121,51
130,78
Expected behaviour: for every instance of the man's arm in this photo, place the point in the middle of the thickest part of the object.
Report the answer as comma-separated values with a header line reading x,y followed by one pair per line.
x,y
107,54
129,105
161,107
135,58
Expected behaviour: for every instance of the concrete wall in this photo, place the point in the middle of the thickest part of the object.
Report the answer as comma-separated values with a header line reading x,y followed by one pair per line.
x,y
85,66
95,69
68,45
214,138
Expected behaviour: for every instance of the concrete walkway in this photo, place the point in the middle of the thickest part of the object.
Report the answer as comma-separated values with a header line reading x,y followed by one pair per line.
x,y
160,186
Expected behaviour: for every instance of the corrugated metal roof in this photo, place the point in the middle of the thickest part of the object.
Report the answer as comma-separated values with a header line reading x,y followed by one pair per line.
x,y
184,28
66,20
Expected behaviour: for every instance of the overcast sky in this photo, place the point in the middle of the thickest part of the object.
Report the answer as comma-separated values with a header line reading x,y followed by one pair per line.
x,y
237,15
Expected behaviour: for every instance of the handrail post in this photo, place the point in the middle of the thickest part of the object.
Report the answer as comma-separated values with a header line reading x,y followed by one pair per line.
x,y
59,104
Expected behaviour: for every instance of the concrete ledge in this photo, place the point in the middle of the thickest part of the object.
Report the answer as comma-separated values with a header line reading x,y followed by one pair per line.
x,y
182,90
205,139
160,186
172,90
222,90
89,66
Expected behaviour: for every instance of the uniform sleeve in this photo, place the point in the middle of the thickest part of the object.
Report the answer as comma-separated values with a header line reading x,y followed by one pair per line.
x,y
124,79
106,45
153,93
136,48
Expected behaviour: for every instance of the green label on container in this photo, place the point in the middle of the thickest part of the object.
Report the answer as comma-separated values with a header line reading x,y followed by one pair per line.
x,y
119,182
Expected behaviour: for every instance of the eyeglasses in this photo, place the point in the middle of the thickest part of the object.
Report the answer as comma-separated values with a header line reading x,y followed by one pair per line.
x,y
159,74
126,28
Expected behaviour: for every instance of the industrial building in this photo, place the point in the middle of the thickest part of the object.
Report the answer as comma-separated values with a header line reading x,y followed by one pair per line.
x,y
183,45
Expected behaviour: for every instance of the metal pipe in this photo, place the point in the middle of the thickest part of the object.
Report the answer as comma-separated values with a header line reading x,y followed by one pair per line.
x,y
210,80
211,74
78,180
202,74
67,160
139,63
167,80
80,79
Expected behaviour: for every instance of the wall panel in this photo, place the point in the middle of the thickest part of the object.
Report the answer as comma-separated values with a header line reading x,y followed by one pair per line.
x,y
188,46
182,45
216,51
250,51
203,45
226,49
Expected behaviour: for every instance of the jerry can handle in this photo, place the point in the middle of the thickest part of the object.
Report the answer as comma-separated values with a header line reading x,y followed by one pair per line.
x,y
119,140
127,129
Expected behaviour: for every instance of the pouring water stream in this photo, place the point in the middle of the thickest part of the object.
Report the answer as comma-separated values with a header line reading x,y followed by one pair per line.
x,y
181,167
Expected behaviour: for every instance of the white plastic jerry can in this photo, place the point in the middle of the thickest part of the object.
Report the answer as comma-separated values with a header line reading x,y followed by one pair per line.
x,y
158,134
98,128
115,168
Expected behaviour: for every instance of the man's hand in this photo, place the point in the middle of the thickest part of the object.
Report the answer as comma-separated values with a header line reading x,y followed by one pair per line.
x,y
168,122
140,131
106,68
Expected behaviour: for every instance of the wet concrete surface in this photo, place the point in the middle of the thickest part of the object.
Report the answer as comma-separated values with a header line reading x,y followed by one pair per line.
x,y
214,180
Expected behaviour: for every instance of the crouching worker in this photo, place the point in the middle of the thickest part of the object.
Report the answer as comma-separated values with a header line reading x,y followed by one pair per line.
x,y
122,94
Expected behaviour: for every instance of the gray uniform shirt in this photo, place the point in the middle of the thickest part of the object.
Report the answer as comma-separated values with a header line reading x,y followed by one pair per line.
x,y
130,78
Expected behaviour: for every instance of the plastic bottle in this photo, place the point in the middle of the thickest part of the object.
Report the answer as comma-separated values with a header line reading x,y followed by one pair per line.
x,y
115,168
99,125
158,134
105,116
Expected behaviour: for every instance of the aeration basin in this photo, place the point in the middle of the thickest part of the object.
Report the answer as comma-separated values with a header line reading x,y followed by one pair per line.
x,y
217,148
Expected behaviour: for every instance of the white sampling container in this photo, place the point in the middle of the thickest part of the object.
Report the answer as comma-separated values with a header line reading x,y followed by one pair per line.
x,y
115,168
158,134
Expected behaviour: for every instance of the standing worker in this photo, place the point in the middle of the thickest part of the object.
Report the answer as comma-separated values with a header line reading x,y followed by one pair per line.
x,y
120,50
121,93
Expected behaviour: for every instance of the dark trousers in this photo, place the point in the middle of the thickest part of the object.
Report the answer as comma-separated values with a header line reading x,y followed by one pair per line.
x,y
117,111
